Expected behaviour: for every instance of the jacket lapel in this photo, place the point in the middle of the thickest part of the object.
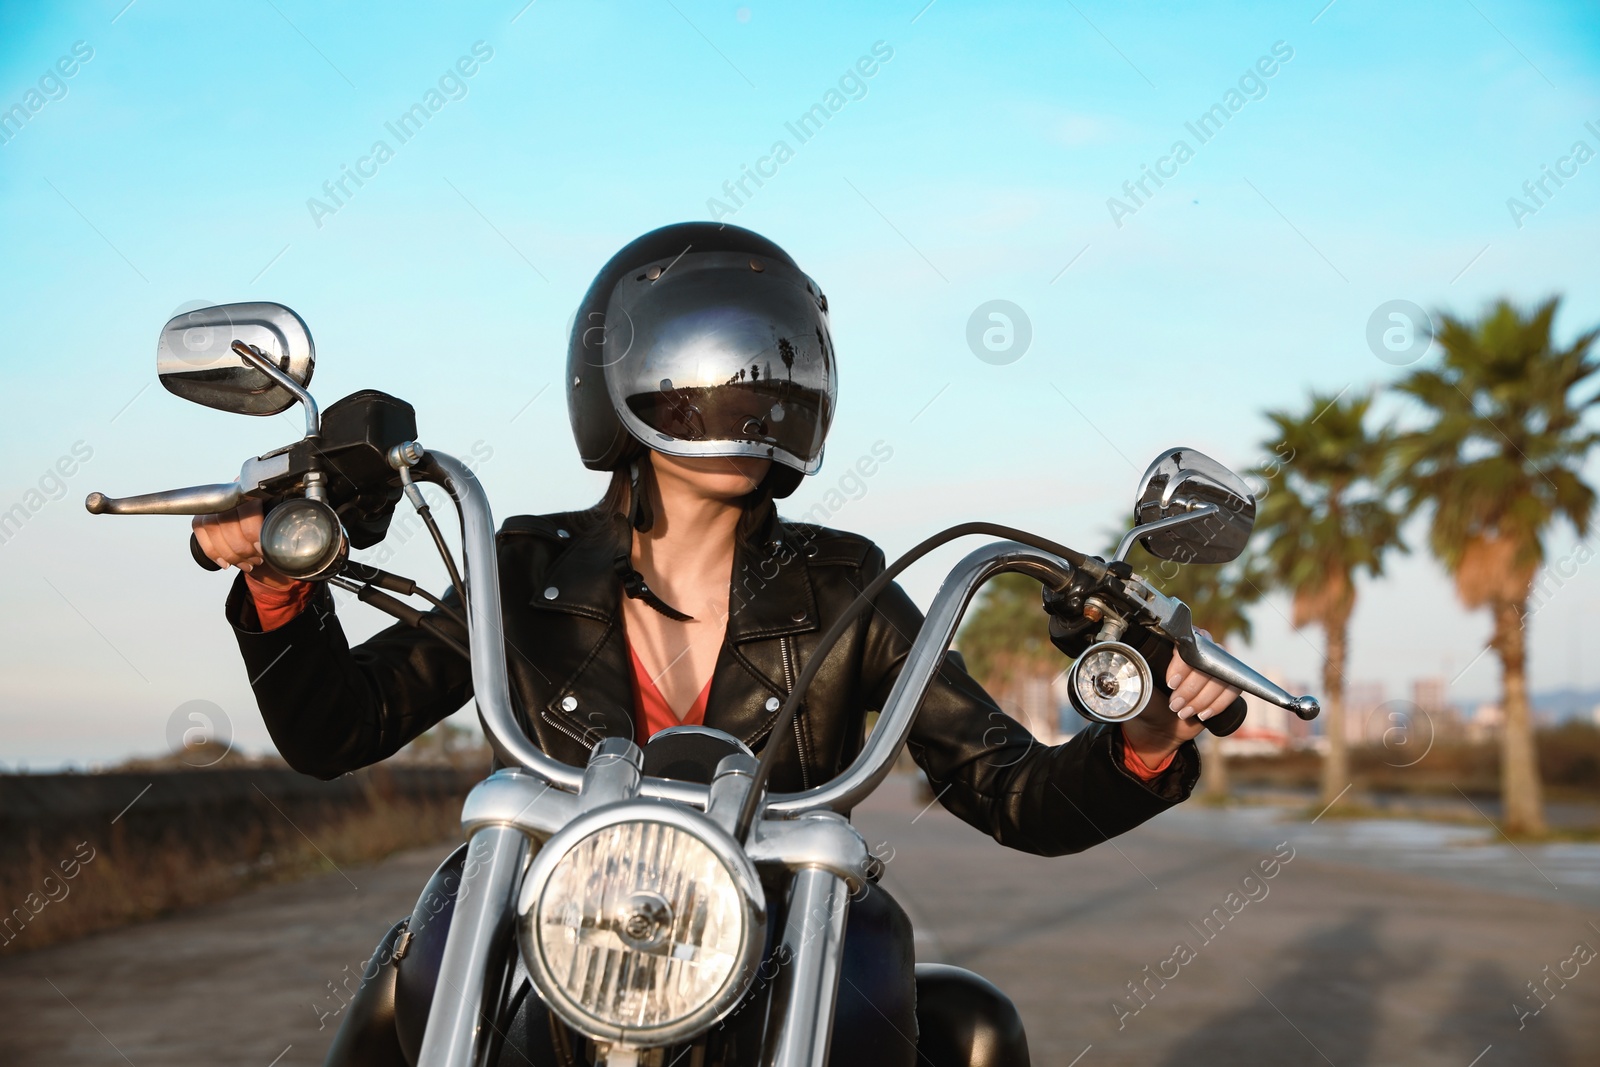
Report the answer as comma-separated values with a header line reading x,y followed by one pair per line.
x,y
771,594
770,598
595,699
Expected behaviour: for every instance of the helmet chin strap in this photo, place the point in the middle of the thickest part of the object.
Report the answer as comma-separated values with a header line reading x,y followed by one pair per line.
x,y
640,518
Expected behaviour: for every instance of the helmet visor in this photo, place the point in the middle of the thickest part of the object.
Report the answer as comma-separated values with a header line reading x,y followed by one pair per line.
x,y
722,354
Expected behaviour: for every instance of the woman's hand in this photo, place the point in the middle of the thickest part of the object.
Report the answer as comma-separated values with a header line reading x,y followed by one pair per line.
x,y
1161,727
233,539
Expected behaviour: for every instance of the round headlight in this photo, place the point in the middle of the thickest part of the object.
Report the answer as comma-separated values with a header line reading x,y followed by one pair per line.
x,y
1110,682
644,929
302,539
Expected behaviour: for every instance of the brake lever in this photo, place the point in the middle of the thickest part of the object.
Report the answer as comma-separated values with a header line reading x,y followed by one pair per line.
x,y
1203,654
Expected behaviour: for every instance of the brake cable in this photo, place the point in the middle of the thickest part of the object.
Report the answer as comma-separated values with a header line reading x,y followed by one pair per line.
x,y
420,504
784,723
370,594
369,575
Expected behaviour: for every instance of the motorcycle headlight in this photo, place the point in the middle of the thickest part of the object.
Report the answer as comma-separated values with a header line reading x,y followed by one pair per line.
x,y
303,539
642,925
1110,682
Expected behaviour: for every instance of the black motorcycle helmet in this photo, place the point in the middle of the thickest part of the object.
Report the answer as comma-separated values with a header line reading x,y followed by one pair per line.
x,y
702,339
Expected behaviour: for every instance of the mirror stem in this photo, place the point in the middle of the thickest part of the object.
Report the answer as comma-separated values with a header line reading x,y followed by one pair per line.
x,y
256,358
1128,539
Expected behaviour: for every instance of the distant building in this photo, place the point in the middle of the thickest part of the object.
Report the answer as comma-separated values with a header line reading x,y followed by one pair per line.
x,y
1364,719
1485,723
1431,694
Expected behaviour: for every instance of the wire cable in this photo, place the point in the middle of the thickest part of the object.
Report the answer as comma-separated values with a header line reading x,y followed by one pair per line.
x,y
784,723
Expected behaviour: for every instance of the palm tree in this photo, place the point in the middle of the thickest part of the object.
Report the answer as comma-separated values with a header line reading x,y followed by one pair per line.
x,y
1326,514
1217,597
1498,464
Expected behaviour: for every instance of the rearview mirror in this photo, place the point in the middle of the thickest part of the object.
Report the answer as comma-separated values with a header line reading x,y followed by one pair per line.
x,y
195,357
1200,511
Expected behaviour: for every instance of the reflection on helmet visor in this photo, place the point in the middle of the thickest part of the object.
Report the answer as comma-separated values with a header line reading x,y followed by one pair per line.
x,y
716,353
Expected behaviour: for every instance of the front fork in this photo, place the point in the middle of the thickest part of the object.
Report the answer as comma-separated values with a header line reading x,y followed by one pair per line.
x,y
806,988
476,961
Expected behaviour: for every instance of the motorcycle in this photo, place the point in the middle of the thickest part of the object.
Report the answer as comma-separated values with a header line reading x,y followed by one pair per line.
x,y
660,901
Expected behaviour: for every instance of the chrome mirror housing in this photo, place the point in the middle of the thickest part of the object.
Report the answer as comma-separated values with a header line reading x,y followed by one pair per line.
x,y
1191,509
196,359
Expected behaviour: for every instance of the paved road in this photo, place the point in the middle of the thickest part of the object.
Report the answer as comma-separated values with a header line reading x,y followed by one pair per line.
x,y
1375,943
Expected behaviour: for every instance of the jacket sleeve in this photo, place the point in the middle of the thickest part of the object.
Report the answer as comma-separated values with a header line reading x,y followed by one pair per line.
x,y
989,771
331,708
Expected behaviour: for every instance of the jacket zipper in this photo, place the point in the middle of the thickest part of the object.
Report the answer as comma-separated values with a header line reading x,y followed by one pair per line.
x,y
564,728
799,734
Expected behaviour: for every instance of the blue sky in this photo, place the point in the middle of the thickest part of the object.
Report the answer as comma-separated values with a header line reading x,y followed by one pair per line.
x,y
975,163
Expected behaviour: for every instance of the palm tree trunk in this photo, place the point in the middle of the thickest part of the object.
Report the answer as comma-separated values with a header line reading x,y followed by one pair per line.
x,y
1336,766
1520,793
1215,778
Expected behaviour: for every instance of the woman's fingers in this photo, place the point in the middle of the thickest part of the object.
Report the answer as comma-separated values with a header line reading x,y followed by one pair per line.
x,y
232,539
1205,700
1195,694
1184,692
1221,704
240,548
1177,671
250,515
204,527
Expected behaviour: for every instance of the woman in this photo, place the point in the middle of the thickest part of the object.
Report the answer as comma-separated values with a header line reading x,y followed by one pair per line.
x,y
701,374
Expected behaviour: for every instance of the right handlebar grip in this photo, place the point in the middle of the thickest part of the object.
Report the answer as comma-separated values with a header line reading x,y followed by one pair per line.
x,y
1229,719
200,556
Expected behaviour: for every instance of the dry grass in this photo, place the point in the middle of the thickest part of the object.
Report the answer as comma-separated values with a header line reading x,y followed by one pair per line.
x,y
123,882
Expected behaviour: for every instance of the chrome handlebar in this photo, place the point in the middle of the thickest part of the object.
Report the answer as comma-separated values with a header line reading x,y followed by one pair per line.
x,y
876,758
491,684
491,681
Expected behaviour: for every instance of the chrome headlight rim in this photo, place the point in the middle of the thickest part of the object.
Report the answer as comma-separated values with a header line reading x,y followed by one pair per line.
x,y
1140,668
727,852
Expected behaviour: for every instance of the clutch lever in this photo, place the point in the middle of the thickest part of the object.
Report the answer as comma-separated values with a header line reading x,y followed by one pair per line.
x,y
197,499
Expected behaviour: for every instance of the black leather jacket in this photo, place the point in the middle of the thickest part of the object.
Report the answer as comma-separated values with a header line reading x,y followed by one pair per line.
x,y
331,708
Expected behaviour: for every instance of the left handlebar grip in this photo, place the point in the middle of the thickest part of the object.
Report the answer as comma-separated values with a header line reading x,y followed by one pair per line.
x,y
200,556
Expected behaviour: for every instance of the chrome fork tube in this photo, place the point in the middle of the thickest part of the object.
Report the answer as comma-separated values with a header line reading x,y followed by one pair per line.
x,y
806,986
472,971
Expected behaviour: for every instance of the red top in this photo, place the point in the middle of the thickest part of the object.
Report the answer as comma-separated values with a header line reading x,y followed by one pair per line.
x,y
275,607
653,713
1137,767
